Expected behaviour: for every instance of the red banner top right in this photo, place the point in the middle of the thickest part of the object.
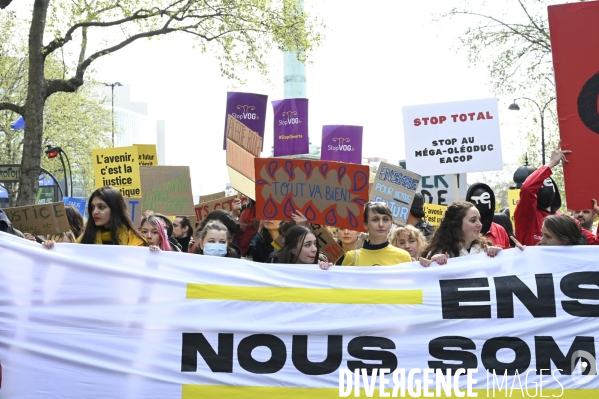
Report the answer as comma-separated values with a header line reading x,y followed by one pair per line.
x,y
574,42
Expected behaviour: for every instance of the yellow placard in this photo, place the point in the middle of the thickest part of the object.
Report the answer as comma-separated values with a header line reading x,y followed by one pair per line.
x,y
118,167
513,196
146,154
433,213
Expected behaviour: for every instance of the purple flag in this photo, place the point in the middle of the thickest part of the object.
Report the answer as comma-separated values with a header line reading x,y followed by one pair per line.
x,y
341,143
249,109
291,127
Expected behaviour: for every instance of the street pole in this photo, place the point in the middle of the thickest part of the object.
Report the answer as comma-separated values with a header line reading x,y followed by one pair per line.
x,y
515,107
112,85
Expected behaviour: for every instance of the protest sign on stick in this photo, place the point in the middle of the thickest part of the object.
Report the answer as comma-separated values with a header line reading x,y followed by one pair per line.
x,y
290,127
341,143
204,208
434,213
395,186
146,154
118,167
50,218
329,193
455,137
243,147
250,109
328,244
574,36
167,190
212,197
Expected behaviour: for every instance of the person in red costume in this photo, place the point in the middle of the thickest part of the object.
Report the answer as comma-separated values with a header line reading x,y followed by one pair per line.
x,y
539,198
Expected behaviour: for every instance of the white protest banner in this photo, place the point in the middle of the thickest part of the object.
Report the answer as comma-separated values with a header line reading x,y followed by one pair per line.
x,y
455,137
76,324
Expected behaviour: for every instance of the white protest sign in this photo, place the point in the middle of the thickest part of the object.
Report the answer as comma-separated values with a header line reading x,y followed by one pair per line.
x,y
440,189
455,137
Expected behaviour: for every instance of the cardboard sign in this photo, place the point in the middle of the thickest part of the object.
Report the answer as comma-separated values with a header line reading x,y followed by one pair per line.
x,y
118,167
440,189
212,197
395,186
329,193
146,154
328,244
203,209
39,219
167,189
456,137
513,196
243,146
434,213
78,203
574,38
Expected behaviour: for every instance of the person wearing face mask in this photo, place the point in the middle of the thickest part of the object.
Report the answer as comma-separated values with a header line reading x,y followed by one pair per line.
x,y
539,198
483,199
213,240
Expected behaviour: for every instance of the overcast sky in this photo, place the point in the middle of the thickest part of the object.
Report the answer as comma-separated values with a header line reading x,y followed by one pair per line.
x,y
377,57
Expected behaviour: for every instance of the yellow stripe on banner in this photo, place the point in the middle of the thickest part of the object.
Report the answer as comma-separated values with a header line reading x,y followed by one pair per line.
x,y
304,295
240,392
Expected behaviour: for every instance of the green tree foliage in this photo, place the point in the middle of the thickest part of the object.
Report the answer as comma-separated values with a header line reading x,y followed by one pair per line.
x,y
512,40
240,33
76,122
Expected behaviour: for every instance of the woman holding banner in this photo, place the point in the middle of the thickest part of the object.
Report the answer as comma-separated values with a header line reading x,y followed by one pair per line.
x,y
301,247
377,250
214,239
111,223
458,235
561,230
153,229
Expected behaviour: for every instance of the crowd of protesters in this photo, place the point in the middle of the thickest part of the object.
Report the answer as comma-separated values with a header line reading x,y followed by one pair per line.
x,y
468,227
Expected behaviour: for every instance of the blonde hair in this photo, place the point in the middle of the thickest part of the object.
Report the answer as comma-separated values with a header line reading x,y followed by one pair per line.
x,y
411,232
56,237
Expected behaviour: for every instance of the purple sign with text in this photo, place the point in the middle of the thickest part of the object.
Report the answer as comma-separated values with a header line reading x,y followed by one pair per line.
x,y
291,127
249,109
341,143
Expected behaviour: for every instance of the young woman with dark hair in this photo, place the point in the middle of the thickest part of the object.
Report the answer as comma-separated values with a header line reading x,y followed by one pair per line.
x,y
75,220
301,247
377,250
458,235
561,230
109,222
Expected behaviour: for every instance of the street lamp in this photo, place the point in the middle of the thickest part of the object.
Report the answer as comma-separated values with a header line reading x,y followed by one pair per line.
x,y
515,107
112,85
55,151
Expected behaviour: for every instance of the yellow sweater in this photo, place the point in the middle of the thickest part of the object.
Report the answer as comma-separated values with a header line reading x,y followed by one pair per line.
x,y
125,236
376,255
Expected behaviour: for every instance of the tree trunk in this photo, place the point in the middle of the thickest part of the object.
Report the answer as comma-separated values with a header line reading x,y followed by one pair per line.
x,y
34,108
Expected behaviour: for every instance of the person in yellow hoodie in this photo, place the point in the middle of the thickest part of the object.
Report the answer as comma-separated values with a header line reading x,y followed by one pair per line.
x,y
376,251
108,220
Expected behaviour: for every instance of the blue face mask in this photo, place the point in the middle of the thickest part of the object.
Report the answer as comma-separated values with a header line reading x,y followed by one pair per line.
x,y
215,249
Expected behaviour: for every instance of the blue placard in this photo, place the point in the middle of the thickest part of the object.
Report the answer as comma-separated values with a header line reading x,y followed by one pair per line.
x,y
77,203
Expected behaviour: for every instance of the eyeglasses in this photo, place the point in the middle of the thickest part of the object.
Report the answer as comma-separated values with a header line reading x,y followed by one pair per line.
x,y
369,204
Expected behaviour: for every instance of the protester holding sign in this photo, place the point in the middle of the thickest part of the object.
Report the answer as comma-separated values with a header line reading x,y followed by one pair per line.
x,y
110,222
154,231
539,198
377,251
410,239
458,235
561,230
214,240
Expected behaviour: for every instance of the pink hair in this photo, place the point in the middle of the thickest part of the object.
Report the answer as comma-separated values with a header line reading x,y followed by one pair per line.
x,y
157,223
